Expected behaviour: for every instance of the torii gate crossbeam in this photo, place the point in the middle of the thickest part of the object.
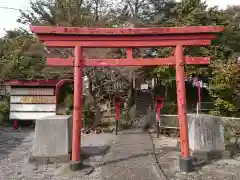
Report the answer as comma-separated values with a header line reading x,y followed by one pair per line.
x,y
129,38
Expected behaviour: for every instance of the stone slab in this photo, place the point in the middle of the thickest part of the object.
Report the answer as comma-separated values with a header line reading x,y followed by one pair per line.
x,y
211,155
49,160
206,133
53,138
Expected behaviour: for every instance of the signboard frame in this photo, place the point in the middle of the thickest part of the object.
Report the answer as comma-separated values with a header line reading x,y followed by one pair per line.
x,y
39,101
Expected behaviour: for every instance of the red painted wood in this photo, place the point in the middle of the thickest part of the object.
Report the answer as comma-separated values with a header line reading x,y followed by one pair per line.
x,y
197,60
77,111
128,61
59,85
140,37
47,37
15,124
125,31
32,83
129,53
122,44
61,62
181,101
117,112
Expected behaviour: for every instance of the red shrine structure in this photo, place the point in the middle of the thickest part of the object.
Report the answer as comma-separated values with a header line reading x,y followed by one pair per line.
x,y
129,38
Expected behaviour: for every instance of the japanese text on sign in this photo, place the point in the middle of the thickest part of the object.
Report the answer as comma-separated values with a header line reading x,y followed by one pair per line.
x,y
38,99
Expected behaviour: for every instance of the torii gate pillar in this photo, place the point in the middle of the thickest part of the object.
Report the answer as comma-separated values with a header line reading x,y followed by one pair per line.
x,y
77,111
185,159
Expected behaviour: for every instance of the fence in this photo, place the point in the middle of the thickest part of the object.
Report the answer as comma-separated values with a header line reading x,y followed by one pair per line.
x,y
172,108
204,107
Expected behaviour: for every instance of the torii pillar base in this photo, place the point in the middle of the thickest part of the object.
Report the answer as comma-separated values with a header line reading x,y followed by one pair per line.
x,y
186,164
76,165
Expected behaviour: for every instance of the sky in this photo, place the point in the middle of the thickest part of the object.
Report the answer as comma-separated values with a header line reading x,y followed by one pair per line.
x,y
8,17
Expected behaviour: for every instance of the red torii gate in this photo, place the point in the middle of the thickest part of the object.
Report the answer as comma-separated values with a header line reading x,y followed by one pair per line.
x,y
79,38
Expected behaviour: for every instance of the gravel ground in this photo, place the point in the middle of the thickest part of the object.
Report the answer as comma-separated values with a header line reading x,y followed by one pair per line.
x,y
165,148
14,151
130,158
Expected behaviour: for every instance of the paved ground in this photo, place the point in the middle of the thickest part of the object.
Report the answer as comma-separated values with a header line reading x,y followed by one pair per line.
x,y
131,158
165,148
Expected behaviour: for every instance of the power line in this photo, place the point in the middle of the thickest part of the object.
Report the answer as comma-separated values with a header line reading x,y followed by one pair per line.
x,y
14,9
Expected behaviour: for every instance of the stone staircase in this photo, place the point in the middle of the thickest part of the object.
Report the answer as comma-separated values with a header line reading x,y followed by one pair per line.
x,y
143,103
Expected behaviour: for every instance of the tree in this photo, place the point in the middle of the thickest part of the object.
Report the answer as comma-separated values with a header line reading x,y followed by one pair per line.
x,y
162,11
225,88
196,12
20,56
128,13
56,13
93,13
233,13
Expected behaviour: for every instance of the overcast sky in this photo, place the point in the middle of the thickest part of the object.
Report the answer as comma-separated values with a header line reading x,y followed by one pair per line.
x,y
8,17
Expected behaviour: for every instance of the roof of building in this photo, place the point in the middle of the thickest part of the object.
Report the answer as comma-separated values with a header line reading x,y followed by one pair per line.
x,y
33,83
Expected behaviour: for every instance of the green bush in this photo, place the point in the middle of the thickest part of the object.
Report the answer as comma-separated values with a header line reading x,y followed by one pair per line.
x,y
84,115
68,104
4,110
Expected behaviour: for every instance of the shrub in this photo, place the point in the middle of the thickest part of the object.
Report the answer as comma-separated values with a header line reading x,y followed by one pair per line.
x,y
4,110
84,115
68,104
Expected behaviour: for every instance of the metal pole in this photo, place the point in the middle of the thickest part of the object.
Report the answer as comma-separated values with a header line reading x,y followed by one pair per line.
x,y
117,118
58,86
185,160
134,80
15,124
77,112
199,97
197,108
158,121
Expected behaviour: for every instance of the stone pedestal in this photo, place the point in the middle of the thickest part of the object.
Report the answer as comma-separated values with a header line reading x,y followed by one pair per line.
x,y
52,140
206,136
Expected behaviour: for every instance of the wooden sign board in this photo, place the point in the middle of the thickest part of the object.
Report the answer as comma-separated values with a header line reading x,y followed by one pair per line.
x,y
144,86
32,103
29,115
33,99
32,91
33,107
